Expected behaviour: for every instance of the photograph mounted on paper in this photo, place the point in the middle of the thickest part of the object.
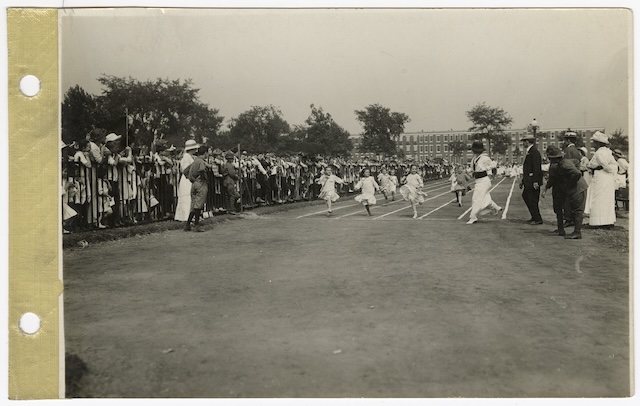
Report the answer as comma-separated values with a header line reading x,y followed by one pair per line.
x,y
346,203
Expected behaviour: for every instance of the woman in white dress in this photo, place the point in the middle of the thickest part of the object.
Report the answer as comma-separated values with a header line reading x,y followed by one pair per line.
x,y
481,202
184,187
602,189
369,187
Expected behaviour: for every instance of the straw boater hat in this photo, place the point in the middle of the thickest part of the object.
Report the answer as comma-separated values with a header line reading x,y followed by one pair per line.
x,y
584,150
477,146
600,137
112,137
617,152
191,144
528,137
554,152
570,134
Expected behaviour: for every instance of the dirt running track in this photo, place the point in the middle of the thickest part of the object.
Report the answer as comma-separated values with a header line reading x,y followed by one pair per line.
x,y
296,304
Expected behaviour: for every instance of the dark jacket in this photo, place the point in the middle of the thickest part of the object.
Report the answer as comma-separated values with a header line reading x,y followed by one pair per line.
x,y
532,168
565,179
573,154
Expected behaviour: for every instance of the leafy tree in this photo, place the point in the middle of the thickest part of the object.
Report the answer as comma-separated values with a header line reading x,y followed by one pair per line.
x,y
259,129
322,129
381,128
617,140
158,109
78,114
501,143
457,148
489,123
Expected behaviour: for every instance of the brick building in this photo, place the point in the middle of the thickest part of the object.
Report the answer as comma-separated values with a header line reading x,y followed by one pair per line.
x,y
435,144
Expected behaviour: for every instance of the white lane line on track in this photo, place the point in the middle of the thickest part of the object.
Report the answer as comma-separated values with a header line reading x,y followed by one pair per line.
x,y
506,206
436,209
490,190
433,187
407,207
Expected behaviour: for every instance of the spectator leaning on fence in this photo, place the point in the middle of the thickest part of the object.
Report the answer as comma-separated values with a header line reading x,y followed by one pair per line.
x,y
197,174
230,182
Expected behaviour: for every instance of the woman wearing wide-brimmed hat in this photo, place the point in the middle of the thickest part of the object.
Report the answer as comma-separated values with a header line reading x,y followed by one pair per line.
x,y
184,187
603,183
481,202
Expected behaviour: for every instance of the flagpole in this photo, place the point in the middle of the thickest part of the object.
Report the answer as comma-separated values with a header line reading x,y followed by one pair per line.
x,y
241,180
126,126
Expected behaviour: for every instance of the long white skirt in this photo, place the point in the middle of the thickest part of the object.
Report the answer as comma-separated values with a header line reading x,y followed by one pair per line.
x,y
481,201
184,200
602,206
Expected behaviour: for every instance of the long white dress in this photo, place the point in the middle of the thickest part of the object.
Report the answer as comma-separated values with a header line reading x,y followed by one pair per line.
x,y
481,201
369,187
602,206
184,191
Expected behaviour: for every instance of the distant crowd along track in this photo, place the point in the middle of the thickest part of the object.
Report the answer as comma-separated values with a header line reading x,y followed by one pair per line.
x,y
439,205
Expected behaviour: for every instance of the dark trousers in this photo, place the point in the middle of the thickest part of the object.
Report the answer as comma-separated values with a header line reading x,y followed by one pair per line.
x,y
531,198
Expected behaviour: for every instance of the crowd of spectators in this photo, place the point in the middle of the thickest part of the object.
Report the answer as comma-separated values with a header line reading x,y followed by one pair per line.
x,y
107,183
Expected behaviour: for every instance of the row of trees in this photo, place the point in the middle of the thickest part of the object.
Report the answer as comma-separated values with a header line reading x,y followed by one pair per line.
x,y
171,110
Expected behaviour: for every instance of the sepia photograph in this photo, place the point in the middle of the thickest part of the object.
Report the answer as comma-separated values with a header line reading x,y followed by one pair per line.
x,y
346,202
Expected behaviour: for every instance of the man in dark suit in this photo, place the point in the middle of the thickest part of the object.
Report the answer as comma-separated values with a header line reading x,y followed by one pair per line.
x,y
531,178
572,154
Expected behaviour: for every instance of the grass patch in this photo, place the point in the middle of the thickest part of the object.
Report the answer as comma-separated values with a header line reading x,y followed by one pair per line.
x,y
76,240
616,238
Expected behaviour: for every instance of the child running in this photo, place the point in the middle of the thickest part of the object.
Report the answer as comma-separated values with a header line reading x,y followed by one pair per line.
x,y
392,185
411,190
369,187
328,190
459,183
383,180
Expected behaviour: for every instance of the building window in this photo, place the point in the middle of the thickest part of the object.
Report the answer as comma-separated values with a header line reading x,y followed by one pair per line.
x,y
544,145
446,148
437,148
431,148
404,138
446,138
553,136
437,138
421,148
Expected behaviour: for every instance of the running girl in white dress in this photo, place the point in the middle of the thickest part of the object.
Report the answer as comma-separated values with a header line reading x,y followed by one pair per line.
x,y
369,188
328,190
393,184
411,190
383,181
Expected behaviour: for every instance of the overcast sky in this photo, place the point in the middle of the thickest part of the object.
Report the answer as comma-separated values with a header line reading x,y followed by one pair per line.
x,y
567,68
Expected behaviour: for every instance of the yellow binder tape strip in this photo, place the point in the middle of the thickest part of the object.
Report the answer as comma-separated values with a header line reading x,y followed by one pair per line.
x,y
36,361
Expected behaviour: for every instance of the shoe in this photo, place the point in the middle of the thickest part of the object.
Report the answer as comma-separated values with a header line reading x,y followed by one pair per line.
x,y
459,204
471,221
535,222
573,236
498,211
558,232
65,231
233,213
101,226
415,215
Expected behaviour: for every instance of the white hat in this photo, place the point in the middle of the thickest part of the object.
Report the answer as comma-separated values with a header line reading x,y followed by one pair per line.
x,y
191,144
584,149
112,137
600,137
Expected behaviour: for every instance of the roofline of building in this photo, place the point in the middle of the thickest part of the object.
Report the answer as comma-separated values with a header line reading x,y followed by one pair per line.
x,y
506,130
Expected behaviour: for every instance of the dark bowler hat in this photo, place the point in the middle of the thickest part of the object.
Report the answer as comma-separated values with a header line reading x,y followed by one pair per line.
x,y
554,152
477,146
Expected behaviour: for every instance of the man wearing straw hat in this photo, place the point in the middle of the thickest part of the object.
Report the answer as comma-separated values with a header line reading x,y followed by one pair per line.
x,y
531,178
184,187
569,187
571,153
